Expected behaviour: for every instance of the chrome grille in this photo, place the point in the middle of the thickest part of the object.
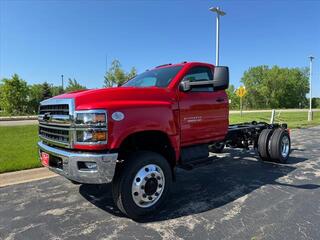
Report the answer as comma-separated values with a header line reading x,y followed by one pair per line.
x,y
61,109
55,121
54,133
57,124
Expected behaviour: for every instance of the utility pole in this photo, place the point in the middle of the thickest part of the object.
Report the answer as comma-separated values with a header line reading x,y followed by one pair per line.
x,y
310,113
219,13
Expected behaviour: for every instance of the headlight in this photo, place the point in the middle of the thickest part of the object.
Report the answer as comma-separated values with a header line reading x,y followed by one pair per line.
x,y
91,118
91,127
91,136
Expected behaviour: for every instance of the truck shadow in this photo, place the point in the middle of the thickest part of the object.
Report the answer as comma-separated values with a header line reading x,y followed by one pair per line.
x,y
209,187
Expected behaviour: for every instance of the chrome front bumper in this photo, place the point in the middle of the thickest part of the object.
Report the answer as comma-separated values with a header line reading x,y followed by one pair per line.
x,y
71,162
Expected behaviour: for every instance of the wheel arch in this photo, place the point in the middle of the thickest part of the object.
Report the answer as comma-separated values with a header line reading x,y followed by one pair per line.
x,y
149,140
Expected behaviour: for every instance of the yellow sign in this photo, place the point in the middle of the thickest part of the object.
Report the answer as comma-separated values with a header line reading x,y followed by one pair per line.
x,y
241,91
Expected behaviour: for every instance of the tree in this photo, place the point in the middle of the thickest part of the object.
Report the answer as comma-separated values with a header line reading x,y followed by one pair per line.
x,y
275,87
253,80
56,90
36,95
132,73
1,86
116,75
14,95
235,100
315,102
73,85
46,91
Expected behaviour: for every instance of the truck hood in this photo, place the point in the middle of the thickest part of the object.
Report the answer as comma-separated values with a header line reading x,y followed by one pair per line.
x,y
113,97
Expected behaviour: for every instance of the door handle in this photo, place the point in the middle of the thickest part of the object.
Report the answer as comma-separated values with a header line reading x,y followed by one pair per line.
x,y
220,100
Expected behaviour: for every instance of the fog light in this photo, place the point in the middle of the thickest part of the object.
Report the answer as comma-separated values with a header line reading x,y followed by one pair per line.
x,y
91,165
87,166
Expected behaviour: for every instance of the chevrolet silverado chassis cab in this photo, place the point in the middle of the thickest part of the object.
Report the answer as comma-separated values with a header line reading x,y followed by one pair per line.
x,y
135,135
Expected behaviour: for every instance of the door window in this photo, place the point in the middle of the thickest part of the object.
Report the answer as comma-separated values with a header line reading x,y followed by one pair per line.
x,y
200,74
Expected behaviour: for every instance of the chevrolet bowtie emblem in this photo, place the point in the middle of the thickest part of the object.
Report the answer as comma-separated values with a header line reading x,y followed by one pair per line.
x,y
46,117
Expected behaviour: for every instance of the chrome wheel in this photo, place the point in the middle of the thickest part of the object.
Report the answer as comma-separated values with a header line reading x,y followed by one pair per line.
x,y
148,185
285,146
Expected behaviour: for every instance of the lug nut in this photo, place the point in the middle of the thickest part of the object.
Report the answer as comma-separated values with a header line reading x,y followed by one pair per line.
x,y
146,169
153,175
160,185
150,198
157,194
142,187
138,179
144,195
158,178
136,193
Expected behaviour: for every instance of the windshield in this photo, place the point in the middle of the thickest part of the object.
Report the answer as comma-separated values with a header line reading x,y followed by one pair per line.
x,y
154,78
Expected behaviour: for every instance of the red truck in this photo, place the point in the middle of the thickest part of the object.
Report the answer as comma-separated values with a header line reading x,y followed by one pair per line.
x,y
135,135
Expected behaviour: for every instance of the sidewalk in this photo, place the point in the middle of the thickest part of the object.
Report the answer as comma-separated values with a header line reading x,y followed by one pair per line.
x,y
11,178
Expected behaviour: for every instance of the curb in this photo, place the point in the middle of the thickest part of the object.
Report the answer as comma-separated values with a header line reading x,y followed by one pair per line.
x,y
18,122
24,176
18,118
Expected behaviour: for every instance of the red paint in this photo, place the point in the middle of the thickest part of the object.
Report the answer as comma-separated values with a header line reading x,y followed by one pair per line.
x,y
202,117
45,159
161,109
289,131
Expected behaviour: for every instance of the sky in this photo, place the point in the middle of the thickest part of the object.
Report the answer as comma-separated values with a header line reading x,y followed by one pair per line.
x,y
40,40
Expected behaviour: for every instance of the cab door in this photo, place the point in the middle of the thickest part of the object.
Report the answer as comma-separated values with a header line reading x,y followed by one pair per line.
x,y
203,111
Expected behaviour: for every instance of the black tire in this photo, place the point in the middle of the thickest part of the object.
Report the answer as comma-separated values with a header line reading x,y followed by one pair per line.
x,y
75,182
263,145
217,147
123,182
115,183
280,145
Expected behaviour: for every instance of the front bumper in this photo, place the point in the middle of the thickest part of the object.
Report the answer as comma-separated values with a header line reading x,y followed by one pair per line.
x,y
71,162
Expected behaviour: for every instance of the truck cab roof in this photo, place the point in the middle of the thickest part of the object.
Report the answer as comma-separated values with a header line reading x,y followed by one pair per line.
x,y
191,64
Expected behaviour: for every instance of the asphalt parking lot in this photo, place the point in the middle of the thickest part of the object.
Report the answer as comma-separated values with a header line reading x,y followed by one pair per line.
x,y
236,197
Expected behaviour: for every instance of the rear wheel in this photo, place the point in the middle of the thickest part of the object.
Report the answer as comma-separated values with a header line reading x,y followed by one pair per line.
x,y
143,184
263,144
280,145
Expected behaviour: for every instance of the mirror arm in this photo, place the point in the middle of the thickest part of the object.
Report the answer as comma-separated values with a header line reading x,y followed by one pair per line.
x,y
197,83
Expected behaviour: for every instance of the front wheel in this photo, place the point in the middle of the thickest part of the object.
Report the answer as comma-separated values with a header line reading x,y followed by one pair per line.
x,y
142,185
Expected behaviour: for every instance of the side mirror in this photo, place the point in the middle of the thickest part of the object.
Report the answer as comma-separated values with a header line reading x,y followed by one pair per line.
x,y
221,78
184,85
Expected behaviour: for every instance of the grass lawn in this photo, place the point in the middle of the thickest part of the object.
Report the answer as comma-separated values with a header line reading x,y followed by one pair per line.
x,y
294,119
18,148
18,144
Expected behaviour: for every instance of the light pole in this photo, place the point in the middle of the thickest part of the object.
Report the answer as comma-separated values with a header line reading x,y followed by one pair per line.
x,y
219,13
310,113
62,81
